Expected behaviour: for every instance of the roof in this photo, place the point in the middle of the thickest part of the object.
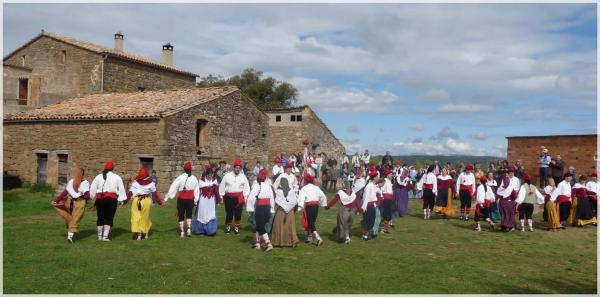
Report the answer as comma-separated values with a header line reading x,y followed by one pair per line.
x,y
124,106
17,66
285,109
546,136
103,50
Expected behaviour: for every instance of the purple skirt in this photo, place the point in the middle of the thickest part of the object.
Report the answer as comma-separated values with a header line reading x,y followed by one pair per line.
x,y
507,213
401,200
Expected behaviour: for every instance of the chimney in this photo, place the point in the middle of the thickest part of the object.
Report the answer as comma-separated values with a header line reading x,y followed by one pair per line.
x,y
119,41
168,54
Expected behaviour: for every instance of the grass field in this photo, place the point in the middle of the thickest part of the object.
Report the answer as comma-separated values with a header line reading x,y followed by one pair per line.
x,y
418,257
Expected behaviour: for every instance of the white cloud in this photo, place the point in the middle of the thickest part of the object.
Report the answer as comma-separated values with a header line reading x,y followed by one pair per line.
x,y
480,136
436,95
535,82
417,127
465,108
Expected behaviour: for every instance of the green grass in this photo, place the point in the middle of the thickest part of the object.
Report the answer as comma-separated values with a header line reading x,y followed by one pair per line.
x,y
418,257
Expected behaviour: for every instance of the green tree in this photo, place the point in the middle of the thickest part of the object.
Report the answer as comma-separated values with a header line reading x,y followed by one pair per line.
x,y
266,92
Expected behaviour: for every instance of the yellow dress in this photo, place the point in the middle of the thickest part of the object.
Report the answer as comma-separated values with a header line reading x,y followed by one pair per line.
x,y
553,216
140,214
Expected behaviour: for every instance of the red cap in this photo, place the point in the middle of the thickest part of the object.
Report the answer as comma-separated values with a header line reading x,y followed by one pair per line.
x,y
207,167
309,178
237,162
511,169
277,160
262,174
483,179
595,173
386,172
143,173
109,165
187,165
469,167
526,177
289,165
372,171
398,162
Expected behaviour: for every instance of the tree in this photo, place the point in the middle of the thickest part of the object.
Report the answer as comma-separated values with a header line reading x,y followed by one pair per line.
x,y
266,92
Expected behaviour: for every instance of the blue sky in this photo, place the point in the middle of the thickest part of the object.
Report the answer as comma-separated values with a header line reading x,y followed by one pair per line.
x,y
426,78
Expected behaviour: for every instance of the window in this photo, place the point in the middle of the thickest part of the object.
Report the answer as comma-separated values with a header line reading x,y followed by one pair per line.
x,y
201,133
299,118
277,118
23,84
63,169
64,56
293,118
42,162
148,163
22,60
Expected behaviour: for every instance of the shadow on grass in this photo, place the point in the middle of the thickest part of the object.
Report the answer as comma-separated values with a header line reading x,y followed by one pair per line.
x,y
551,286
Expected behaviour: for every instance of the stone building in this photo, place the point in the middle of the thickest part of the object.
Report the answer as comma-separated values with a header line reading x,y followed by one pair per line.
x,y
290,128
51,68
158,129
577,150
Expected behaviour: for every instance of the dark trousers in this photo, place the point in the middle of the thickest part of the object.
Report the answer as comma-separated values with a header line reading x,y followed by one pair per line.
x,y
465,199
262,213
428,199
543,176
564,210
311,217
184,209
525,211
388,204
484,213
369,217
333,185
231,210
106,209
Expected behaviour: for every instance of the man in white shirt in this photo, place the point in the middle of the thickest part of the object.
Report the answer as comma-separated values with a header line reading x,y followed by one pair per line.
x,y
234,189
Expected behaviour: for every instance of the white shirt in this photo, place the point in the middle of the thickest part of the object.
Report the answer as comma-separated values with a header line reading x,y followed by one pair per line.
x,y
366,158
84,186
310,193
112,184
492,183
563,188
359,184
263,190
287,202
291,178
593,186
402,181
232,183
136,189
345,198
523,192
277,169
355,161
430,178
387,187
345,159
548,190
467,179
483,195
184,183
370,195
513,185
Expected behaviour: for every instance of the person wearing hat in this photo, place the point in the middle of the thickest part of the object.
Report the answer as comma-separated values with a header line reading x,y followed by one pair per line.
x,y
465,188
562,194
387,192
70,203
277,169
402,183
309,200
142,189
527,197
485,197
283,232
185,187
429,191
108,190
234,189
544,161
508,191
261,204
369,204
581,212
346,212
205,220
443,203
593,187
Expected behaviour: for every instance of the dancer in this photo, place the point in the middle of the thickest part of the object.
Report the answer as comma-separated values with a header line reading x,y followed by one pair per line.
x,y
562,194
205,220
261,203
388,200
443,203
234,189
309,200
108,190
142,190
346,211
551,208
581,212
494,209
485,197
369,204
592,188
429,192
465,188
401,186
526,200
508,192
70,203
186,188
283,233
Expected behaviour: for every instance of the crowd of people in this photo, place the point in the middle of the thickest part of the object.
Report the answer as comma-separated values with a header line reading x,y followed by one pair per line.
x,y
380,193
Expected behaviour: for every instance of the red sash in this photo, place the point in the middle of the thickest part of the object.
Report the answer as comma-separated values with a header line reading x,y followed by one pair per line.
x,y
239,196
388,196
428,186
110,195
263,201
563,198
186,195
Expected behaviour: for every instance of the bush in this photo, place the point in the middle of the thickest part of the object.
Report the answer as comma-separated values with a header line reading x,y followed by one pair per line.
x,y
41,188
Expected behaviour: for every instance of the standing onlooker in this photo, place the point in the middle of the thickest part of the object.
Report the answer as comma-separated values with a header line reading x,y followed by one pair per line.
x,y
257,168
366,157
544,163
558,168
334,174
355,162
519,170
319,162
387,158
154,179
345,159
574,180
344,172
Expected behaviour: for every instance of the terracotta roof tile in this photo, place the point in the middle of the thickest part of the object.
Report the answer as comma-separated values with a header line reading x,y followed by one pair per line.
x,y
114,106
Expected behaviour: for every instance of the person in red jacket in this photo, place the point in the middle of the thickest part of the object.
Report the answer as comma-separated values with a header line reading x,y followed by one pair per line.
x,y
70,203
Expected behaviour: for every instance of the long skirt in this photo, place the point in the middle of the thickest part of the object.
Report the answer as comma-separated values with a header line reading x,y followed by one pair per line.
x,y
71,211
140,214
581,212
207,228
345,218
552,215
443,203
283,232
401,201
494,211
377,221
507,211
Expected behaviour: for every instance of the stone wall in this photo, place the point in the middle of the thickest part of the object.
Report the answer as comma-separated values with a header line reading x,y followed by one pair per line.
x,y
125,76
235,127
89,144
10,84
321,136
78,75
577,150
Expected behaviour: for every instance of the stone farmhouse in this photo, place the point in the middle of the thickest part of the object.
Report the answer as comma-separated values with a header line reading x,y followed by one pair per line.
x,y
293,129
156,129
52,67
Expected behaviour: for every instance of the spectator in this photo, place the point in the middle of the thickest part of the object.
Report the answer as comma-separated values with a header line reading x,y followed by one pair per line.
x,y
544,163
574,174
492,168
154,179
355,162
319,162
221,171
558,169
292,159
333,176
257,168
519,170
345,160
344,172
366,158
387,158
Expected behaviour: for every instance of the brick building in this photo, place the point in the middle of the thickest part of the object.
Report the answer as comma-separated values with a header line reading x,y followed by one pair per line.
x,y
289,127
577,150
51,68
157,129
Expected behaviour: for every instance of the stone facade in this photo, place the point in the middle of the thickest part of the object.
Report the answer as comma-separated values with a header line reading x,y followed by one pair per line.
x,y
11,84
287,136
168,141
577,150
62,68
